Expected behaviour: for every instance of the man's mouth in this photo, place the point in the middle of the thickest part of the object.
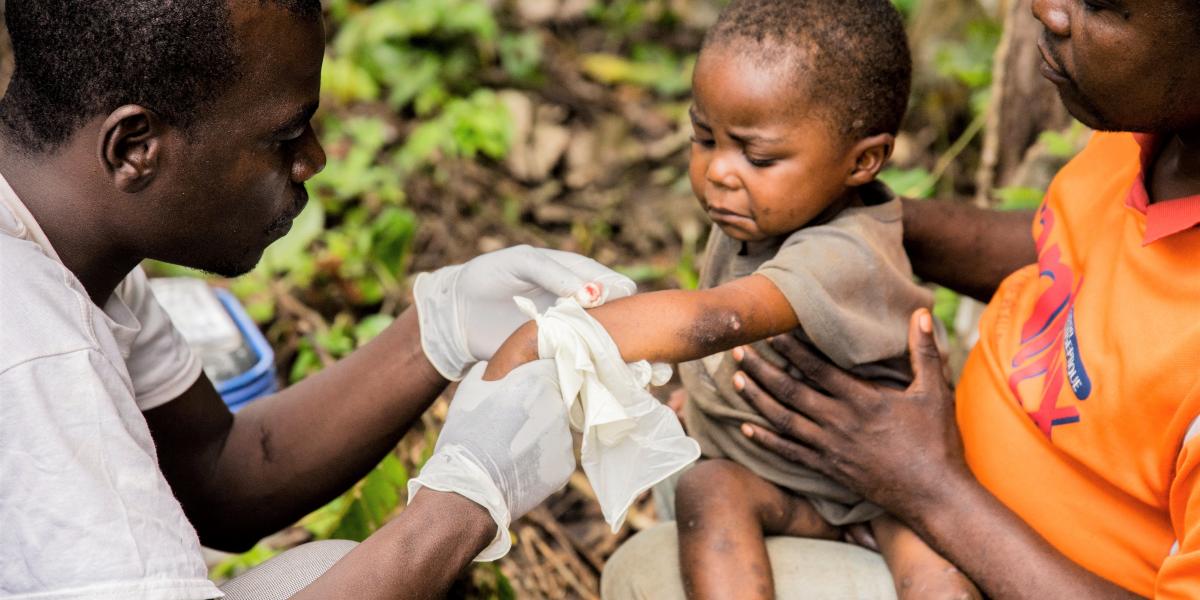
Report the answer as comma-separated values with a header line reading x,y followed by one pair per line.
x,y
282,225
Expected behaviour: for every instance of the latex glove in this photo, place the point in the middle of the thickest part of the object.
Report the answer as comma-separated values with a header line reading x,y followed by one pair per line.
x,y
505,445
466,311
631,441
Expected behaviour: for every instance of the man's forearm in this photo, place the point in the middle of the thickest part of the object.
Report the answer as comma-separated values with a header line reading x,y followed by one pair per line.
x,y
416,555
965,248
289,454
1002,554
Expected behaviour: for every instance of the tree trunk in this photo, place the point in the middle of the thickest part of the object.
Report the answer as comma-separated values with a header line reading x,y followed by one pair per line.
x,y
1024,104
6,62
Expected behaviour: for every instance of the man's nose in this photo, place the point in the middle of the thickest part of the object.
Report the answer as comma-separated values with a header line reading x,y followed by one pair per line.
x,y
1055,15
309,158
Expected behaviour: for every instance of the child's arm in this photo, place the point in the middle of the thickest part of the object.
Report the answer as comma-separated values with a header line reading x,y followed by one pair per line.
x,y
673,326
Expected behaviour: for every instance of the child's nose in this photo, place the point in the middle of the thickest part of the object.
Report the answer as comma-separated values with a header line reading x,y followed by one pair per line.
x,y
721,172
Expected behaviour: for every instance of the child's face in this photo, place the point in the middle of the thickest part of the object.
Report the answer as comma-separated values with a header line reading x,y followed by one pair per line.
x,y
762,164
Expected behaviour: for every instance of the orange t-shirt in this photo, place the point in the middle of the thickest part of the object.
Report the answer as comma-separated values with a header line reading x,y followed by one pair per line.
x,y
1080,402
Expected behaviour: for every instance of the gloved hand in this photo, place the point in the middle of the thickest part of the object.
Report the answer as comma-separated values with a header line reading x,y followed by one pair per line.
x,y
466,311
505,445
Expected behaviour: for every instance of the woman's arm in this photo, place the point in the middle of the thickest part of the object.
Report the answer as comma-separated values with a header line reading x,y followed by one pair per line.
x,y
965,248
674,326
902,450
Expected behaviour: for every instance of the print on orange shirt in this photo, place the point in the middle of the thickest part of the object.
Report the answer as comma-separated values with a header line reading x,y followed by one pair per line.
x,y
1048,339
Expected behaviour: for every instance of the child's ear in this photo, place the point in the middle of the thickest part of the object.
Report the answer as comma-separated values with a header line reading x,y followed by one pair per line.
x,y
869,156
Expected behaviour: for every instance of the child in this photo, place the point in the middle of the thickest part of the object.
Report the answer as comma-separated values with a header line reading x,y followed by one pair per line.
x,y
796,107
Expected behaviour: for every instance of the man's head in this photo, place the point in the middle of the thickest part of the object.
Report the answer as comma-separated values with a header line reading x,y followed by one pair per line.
x,y
1128,65
195,114
795,101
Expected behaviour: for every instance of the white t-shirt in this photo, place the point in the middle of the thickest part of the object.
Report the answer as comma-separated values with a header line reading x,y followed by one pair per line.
x,y
85,511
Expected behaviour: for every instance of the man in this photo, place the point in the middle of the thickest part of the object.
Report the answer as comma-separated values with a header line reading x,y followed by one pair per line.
x,y
180,131
1075,474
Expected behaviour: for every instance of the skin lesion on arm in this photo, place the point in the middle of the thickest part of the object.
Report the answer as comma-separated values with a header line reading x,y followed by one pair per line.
x,y
673,326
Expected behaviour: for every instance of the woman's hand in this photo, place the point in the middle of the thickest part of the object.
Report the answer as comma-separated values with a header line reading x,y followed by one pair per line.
x,y
898,448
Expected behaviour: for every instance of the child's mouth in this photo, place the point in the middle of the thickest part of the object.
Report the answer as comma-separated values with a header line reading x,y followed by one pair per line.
x,y
725,217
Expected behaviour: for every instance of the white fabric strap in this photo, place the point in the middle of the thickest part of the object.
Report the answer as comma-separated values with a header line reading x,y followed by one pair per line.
x,y
631,441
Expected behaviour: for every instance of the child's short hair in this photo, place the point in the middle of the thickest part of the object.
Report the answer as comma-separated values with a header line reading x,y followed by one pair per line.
x,y
852,55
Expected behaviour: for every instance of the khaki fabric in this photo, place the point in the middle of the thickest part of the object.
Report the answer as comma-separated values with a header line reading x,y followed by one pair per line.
x,y
851,286
283,576
647,568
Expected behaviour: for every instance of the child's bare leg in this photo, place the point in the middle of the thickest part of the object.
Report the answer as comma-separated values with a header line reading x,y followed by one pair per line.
x,y
918,570
723,511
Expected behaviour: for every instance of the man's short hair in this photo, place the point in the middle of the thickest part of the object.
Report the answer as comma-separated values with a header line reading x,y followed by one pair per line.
x,y
78,59
851,55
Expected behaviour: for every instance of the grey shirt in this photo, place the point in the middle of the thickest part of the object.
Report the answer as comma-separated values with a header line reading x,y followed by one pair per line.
x,y
852,289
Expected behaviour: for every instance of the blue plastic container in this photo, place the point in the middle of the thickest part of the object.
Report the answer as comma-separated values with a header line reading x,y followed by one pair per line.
x,y
235,355
259,381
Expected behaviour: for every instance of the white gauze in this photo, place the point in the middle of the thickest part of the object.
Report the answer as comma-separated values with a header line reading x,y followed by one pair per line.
x,y
631,441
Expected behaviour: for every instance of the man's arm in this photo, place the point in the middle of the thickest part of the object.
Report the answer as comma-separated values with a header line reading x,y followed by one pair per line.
x,y
965,248
675,325
901,449
416,555
241,478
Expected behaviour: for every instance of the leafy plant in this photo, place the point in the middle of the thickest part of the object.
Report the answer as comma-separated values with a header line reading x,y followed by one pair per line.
x,y
238,564
415,51
650,66
1019,198
365,508
466,128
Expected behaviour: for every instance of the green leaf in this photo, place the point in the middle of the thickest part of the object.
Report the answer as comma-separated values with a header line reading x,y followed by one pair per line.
x,y
393,471
337,341
365,508
354,525
466,127
1064,144
945,306
521,55
254,291
910,183
654,68
370,327
306,363
347,82
1019,198
236,565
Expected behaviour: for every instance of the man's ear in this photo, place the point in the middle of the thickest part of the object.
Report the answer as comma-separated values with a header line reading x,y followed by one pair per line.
x,y
131,144
869,155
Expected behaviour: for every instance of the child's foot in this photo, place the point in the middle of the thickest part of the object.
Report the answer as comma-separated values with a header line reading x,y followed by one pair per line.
x,y
933,582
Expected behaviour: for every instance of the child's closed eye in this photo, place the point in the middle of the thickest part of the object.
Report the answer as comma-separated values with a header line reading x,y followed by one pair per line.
x,y
760,163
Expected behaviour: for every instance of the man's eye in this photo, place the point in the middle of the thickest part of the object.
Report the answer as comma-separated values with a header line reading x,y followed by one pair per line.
x,y
760,163
289,136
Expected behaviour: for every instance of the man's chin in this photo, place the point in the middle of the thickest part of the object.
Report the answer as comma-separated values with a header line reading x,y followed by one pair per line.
x,y
233,268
